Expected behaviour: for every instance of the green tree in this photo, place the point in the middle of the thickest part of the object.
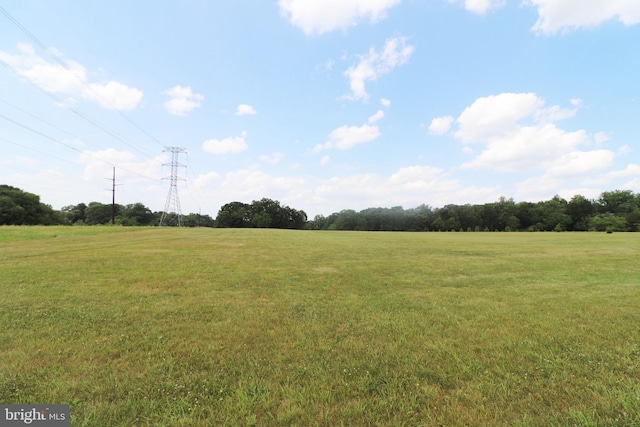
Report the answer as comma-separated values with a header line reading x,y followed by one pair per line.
x,y
554,214
234,215
197,220
506,215
261,220
75,213
135,214
269,213
529,216
580,210
618,202
607,222
18,207
347,219
633,220
99,214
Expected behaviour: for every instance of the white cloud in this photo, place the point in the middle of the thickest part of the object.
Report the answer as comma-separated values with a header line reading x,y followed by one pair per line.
x,y
576,102
252,184
416,175
273,159
375,64
245,109
537,188
230,145
409,187
480,7
631,170
496,115
377,116
70,79
625,149
519,134
554,113
557,16
440,125
98,165
321,16
346,137
114,95
601,138
527,148
182,101
581,163
385,102
204,180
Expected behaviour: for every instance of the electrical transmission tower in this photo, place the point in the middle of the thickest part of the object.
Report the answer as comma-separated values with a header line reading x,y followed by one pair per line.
x,y
172,215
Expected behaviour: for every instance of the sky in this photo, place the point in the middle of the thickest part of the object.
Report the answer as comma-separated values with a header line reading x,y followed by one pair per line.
x,y
323,105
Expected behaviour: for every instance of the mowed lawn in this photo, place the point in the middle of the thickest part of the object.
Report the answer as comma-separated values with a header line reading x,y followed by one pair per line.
x,y
202,327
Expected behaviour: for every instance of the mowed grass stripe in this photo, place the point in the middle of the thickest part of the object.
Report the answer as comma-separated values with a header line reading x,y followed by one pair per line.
x,y
147,326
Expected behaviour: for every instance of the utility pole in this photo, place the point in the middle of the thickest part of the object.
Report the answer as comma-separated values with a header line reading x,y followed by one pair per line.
x,y
113,199
113,196
172,215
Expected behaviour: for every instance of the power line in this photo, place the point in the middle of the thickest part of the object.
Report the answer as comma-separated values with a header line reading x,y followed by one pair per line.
x,y
69,146
39,119
61,62
37,151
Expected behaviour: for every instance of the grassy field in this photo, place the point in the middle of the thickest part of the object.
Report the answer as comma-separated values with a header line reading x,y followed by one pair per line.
x,y
201,327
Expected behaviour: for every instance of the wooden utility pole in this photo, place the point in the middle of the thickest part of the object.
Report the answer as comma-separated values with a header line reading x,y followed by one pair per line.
x,y
113,198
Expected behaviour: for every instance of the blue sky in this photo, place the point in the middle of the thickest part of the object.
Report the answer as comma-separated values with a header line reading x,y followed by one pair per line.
x,y
323,105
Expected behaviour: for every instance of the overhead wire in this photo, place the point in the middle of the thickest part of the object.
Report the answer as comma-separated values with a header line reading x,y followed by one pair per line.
x,y
71,147
33,116
73,110
61,62
37,151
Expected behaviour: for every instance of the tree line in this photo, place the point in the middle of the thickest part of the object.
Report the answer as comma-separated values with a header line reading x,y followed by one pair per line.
x,y
18,207
617,210
613,211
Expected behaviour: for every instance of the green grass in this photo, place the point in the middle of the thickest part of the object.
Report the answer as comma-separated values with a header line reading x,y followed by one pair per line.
x,y
182,327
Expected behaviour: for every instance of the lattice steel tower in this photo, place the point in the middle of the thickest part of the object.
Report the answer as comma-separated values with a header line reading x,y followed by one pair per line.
x,y
172,215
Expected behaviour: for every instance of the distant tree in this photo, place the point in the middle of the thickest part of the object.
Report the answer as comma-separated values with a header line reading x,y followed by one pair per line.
x,y
135,214
469,216
505,215
267,213
234,215
198,220
263,213
489,216
618,202
99,214
347,220
554,214
608,222
438,224
75,214
633,220
261,220
580,209
295,219
319,222
419,218
18,207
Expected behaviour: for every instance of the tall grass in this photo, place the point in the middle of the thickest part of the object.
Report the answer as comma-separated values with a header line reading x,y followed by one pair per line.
x,y
181,327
